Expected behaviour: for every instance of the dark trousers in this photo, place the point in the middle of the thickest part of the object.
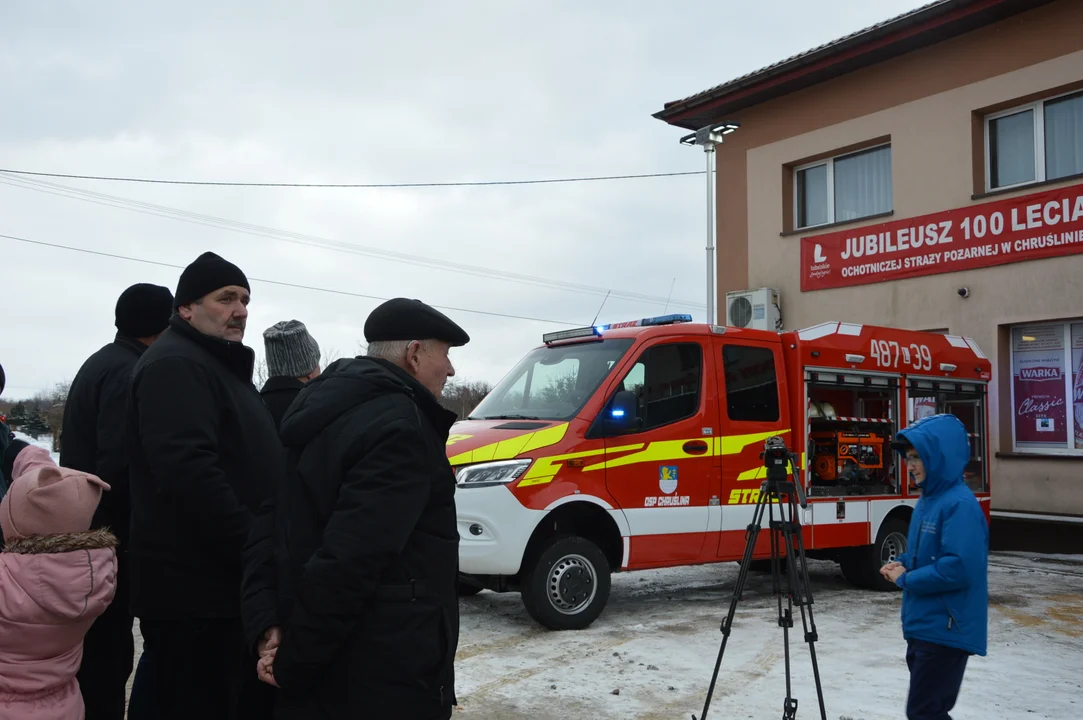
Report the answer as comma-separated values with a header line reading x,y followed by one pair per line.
x,y
201,669
141,700
108,654
936,674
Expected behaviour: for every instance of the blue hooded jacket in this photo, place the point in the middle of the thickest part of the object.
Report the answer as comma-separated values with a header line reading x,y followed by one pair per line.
x,y
945,586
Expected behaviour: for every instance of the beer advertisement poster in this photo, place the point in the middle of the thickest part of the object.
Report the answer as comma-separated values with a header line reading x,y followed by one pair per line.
x,y
1038,377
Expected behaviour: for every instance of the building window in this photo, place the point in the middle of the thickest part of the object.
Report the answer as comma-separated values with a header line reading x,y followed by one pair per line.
x,y
751,383
1034,143
1047,387
844,188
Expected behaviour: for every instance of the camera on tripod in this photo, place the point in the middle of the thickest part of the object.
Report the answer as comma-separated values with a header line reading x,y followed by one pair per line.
x,y
776,456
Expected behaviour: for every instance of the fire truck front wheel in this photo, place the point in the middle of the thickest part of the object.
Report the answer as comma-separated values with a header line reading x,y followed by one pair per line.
x,y
567,584
861,566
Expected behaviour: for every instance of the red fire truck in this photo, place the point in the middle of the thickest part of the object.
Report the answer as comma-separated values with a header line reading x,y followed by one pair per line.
x,y
637,445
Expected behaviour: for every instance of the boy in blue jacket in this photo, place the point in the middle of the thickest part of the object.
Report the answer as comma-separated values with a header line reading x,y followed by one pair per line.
x,y
943,574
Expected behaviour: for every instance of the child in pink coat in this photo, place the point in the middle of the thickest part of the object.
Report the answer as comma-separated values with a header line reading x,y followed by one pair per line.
x,y
55,579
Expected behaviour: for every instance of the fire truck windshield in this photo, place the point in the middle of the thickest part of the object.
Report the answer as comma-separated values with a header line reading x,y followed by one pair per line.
x,y
552,383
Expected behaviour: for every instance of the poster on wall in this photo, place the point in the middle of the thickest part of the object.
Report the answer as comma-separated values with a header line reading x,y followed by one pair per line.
x,y
1038,377
1077,382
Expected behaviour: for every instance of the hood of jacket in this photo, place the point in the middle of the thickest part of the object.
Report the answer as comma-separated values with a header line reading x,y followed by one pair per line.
x,y
344,385
944,447
52,588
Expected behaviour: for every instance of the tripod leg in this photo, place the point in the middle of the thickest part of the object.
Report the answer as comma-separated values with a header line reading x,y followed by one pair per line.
x,y
751,533
779,536
801,588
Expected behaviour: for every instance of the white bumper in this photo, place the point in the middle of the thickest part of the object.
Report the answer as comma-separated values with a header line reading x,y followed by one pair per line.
x,y
505,528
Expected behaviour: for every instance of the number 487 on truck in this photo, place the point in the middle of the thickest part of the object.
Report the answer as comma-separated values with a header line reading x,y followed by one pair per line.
x,y
636,445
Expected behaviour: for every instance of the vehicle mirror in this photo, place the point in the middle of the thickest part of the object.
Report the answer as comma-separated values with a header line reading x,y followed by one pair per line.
x,y
618,416
621,414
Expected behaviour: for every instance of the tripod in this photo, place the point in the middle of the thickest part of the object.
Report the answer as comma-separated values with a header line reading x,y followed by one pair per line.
x,y
796,589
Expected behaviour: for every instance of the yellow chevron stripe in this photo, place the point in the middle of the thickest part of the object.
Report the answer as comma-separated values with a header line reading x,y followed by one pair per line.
x,y
510,447
545,469
655,452
734,444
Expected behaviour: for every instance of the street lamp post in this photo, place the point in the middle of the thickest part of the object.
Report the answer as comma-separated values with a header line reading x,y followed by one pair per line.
x,y
708,137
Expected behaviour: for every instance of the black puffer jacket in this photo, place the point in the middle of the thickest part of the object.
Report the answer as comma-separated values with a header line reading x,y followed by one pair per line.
x,y
365,551
278,393
204,457
92,439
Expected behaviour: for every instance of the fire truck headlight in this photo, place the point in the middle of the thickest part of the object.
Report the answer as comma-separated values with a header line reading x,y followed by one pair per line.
x,y
491,473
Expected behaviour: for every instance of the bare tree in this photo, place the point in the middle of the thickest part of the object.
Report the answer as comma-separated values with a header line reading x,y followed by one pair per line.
x,y
259,372
462,397
55,413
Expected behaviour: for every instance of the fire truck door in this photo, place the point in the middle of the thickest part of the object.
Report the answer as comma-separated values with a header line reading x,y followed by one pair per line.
x,y
752,408
661,471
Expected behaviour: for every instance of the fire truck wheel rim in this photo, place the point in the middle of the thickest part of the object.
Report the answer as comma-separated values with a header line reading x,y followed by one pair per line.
x,y
894,546
572,584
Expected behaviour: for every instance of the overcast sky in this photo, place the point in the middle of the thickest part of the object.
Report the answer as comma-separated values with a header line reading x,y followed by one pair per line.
x,y
348,92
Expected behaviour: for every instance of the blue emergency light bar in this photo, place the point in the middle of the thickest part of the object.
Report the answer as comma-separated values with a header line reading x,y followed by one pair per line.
x,y
597,330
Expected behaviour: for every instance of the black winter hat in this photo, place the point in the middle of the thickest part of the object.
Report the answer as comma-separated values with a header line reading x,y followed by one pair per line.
x,y
207,273
403,319
143,310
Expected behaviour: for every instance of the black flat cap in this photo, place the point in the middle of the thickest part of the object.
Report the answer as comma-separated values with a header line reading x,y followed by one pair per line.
x,y
405,319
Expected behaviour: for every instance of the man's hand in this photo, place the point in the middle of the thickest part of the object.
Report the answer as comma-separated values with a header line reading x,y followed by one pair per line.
x,y
265,669
892,571
267,647
270,641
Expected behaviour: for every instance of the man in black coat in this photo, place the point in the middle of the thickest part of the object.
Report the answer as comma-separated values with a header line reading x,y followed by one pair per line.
x,y
204,456
293,358
355,608
92,440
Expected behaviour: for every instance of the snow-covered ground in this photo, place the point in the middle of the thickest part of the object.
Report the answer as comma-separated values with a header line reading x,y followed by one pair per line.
x,y
45,441
657,641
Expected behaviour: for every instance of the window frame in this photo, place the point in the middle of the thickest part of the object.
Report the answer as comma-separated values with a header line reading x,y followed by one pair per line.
x,y
776,364
1069,449
1038,106
830,163
701,388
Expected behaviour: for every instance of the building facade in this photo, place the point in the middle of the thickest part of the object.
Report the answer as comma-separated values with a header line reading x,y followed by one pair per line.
x,y
927,173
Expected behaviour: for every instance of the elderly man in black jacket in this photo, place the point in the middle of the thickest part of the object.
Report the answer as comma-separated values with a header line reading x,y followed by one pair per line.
x,y
360,595
93,441
204,456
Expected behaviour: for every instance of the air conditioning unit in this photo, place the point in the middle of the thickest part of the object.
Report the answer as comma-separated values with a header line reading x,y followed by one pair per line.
x,y
758,309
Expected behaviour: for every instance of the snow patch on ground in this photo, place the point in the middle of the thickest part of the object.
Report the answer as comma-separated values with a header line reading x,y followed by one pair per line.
x,y
652,652
45,441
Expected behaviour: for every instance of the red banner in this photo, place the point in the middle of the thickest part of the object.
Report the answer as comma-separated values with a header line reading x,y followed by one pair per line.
x,y
1041,225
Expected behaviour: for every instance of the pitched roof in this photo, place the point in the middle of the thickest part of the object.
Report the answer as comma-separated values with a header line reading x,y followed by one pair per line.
x,y
923,26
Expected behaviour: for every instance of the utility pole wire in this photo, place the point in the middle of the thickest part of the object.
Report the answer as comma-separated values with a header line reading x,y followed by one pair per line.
x,y
280,283
311,240
223,183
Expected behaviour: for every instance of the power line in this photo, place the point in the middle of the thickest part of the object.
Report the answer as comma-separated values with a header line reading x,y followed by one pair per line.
x,y
280,283
486,183
314,241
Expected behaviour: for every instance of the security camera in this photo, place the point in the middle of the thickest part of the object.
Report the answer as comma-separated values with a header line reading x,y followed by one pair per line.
x,y
964,292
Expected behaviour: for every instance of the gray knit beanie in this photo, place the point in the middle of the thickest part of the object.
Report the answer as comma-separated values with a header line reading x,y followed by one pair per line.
x,y
291,351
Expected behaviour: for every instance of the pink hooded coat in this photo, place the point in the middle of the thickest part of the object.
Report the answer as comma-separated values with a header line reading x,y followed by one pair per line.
x,y
52,587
